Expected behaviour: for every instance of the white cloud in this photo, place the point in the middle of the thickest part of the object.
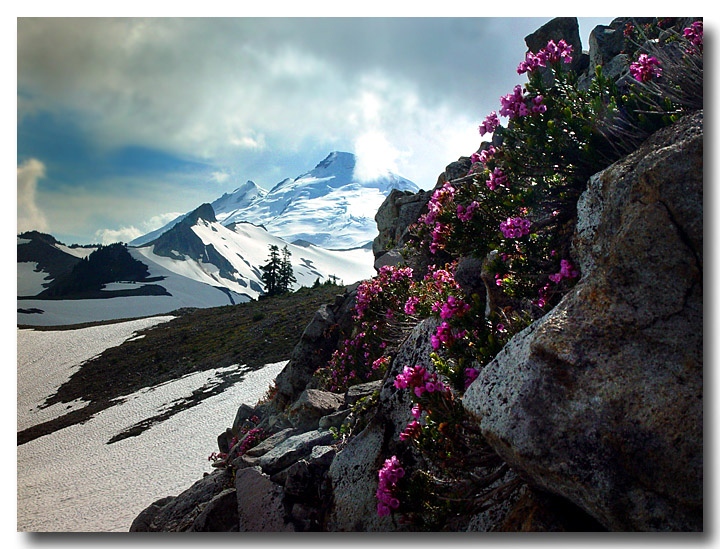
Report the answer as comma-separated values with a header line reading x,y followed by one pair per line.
x,y
157,221
123,234
126,234
29,216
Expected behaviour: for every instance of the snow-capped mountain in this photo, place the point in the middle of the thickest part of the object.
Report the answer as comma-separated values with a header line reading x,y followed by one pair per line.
x,y
327,206
197,263
202,248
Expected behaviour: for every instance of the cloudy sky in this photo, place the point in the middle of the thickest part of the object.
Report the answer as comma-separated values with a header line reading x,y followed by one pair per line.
x,y
123,123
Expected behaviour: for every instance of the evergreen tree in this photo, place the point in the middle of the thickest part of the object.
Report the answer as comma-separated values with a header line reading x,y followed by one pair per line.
x,y
286,277
271,271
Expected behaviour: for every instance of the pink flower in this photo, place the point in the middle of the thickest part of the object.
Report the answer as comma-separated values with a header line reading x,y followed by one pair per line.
x,y
497,178
453,307
388,477
567,270
471,374
515,227
531,63
416,411
694,33
464,213
645,68
555,52
487,154
538,107
513,104
489,124
412,430
410,305
551,53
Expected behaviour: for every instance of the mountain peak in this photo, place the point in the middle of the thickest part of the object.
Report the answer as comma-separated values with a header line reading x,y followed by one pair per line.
x,y
337,158
248,186
204,211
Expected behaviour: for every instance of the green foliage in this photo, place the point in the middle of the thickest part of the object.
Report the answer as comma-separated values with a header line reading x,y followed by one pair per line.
x,y
278,276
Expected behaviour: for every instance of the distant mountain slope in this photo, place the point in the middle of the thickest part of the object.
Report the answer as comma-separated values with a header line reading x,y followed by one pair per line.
x,y
197,263
42,259
201,248
327,206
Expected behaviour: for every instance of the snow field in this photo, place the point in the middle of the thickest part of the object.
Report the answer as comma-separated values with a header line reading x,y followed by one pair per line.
x,y
72,481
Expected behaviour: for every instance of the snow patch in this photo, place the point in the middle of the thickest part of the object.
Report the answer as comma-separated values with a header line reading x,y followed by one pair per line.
x,y
30,279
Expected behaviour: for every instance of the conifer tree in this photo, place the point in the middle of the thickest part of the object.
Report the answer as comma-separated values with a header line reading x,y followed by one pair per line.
x,y
286,277
271,271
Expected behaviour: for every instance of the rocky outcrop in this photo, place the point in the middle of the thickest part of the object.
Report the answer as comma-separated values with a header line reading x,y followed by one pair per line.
x,y
398,211
179,513
560,28
316,345
600,401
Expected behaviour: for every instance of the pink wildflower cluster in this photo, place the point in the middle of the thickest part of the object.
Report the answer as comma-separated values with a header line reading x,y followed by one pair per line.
x,y
369,289
388,478
694,33
645,68
471,374
487,154
435,207
419,380
515,227
465,213
411,305
489,124
531,63
537,104
412,431
566,271
441,278
444,335
515,104
217,456
252,438
497,179
355,359
551,53
453,307
440,234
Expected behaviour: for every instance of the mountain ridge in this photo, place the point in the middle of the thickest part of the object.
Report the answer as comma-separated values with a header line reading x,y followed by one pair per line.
x,y
327,205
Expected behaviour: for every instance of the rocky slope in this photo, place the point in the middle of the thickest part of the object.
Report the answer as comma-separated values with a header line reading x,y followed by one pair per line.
x,y
588,419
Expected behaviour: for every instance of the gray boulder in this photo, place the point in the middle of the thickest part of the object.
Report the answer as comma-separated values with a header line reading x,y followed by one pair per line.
x,y
260,503
269,443
316,345
399,210
311,405
559,28
600,401
178,513
292,449
363,390
219,515
605,43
